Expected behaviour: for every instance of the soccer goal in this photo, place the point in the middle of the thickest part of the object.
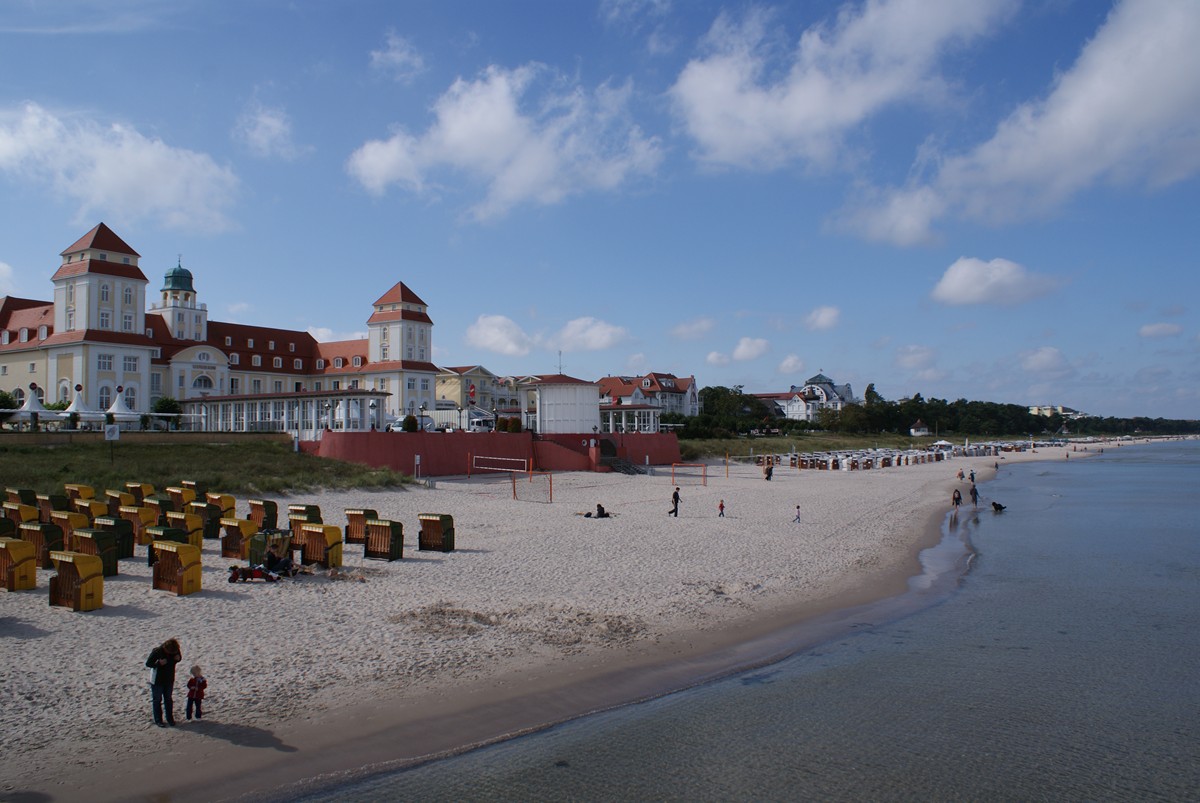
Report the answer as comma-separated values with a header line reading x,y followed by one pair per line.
x,y
534,486
689,474
480,462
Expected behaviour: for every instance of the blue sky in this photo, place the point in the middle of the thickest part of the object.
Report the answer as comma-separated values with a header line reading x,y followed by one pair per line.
x,y
990,200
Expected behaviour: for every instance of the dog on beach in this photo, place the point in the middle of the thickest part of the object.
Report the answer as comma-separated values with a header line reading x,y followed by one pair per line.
x,y
996,506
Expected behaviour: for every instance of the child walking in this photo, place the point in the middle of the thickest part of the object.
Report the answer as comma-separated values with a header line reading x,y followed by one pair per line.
x,y
721,509
196,686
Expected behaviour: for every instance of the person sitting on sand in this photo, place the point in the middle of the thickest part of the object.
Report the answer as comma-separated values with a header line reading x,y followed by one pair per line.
x,y
601,513
278,564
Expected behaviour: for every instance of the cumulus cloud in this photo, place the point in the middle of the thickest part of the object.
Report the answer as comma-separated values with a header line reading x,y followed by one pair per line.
x,y
750,348
1097,124
822,318
791,364
915,358
267,132
752,99
323,334
588,334
7,285
114,171
973,281
717,358
399,59
694,329
1046,362
1160,330
499,334
525,143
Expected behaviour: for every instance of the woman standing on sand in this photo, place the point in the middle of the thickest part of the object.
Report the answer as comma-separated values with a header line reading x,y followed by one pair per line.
x,y
162,662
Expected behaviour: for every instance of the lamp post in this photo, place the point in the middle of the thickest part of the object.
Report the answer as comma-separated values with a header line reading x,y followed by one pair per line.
x,y
372,406
421,420
458,407
495,420
328,408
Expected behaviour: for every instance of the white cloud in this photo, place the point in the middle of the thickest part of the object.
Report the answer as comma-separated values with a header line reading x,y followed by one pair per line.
x,y
1126,112
750,348
560,143
822,318
323,334
238,307
267,132
115,172
973,281
499,334
717,358
588,334
637,364
1160,330
694,329
754,100
915,358
1046,362
791,364
628,12
399,59
7,285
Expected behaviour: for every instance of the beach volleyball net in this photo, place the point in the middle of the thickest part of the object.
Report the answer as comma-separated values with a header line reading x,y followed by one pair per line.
x,y
533,486
483,463
689,474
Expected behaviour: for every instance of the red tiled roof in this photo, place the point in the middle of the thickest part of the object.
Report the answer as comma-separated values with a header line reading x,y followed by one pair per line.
x,y
400,294
559,379
400,365
99,266
101,238
399,315
98,336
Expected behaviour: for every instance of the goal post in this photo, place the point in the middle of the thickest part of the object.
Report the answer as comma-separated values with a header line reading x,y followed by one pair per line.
x,y
689,474
533,486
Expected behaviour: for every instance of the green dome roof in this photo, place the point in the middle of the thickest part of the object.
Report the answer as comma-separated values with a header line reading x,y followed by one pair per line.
x,y
178,278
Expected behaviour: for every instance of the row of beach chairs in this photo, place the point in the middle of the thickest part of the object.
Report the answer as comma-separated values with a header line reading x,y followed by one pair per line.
x,y
83,539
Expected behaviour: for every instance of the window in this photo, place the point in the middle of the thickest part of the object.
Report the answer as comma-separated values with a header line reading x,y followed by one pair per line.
x,y
104,362
357,362
249,342
105,319
292,347
4,337
24,335
320,365
70,293
278,386
297,363
104,257
42,332
256,360
234,359
383,334
412,383
193,385
316,385
70,320
203,356
125,260
645,383
3,370
270,345
277,362
104,292
337,385
408,350
127,295
131,398
127,322
130,365
179,318
383,352
229,341
424,384
338,362
105,397
155,383
233,386
202,382
256,386
354,384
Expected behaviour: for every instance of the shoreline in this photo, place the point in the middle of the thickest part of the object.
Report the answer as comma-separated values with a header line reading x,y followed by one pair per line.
x,y
350,737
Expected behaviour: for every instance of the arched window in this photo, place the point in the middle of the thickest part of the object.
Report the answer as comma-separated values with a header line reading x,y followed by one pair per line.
x,y
131,398
104,292
105,397
127,296
357,362
202,382
64,392
19,395
338,362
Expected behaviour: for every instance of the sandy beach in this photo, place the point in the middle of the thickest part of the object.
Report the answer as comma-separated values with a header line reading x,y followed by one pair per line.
x,y
539,615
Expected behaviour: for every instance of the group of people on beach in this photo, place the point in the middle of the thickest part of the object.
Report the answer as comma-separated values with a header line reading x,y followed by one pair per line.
x,y
161,663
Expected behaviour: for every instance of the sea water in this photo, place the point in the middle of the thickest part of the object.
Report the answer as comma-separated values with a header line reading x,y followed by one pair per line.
x,y
1065,666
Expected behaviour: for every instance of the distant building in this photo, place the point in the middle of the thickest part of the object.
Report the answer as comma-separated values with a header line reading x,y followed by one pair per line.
x,y
919,430
637,403
1047,410
803,403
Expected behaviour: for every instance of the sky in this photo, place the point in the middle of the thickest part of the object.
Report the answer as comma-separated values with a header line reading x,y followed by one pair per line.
x,y
984,199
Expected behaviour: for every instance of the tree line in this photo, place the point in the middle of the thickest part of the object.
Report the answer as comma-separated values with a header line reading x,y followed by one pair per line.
x,y
729,412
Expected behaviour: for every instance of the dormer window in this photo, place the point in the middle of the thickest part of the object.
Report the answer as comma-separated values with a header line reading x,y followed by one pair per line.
x,y
249,342
320,365
292,347
234,359
104,257
278,362
338,362
645,383
24,335
229,341
357,362
4,337
256,360
270,345
42,332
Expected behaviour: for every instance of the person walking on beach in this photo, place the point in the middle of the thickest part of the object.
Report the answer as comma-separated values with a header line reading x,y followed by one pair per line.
x,y
974,494
797,519
162,662
956,499
196,686
972,475
960,475
721,509
675,497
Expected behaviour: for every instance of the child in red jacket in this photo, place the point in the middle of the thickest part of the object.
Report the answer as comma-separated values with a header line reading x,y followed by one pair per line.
x,y
196,686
